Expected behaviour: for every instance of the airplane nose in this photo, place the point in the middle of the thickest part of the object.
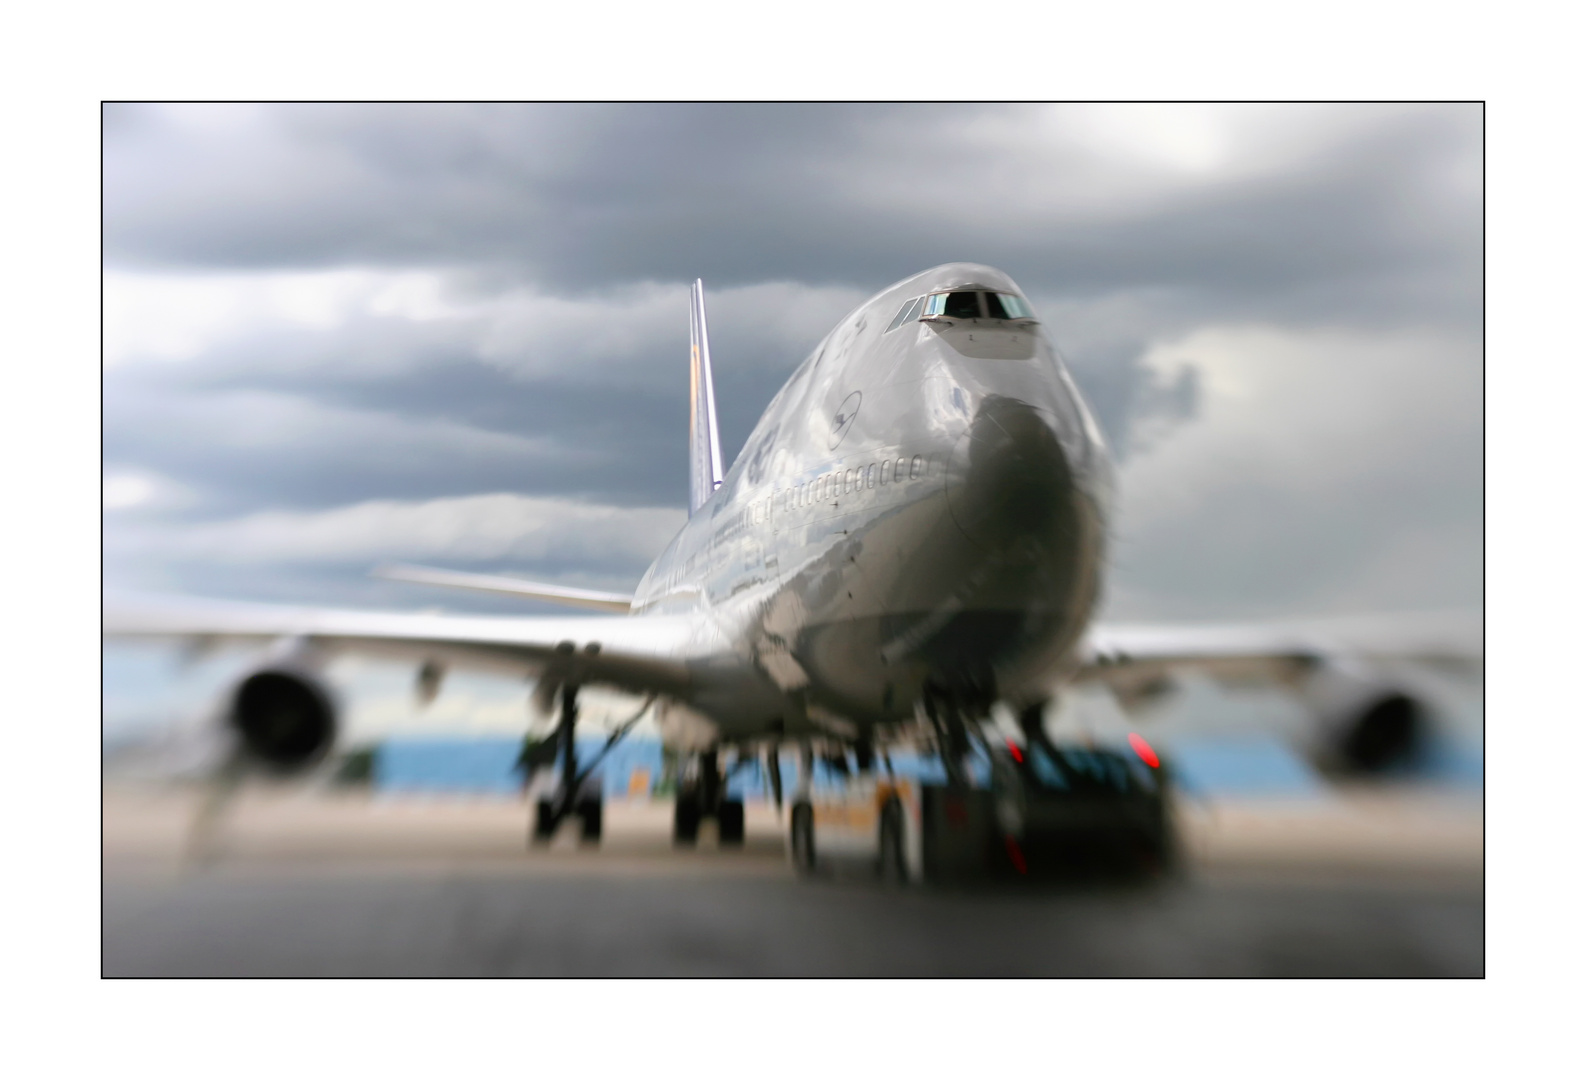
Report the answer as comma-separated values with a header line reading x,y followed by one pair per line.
x,y
1010,484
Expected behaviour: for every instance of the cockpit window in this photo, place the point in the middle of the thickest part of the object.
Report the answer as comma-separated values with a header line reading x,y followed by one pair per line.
x,y
967,305
955,305
906,313
1007,306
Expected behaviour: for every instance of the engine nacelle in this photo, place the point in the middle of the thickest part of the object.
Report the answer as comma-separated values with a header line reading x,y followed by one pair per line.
x,y
1367,723
283,718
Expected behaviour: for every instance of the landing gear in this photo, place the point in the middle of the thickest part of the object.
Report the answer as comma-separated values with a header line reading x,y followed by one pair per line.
x,y
802,838
545,821
705,796
773,771
947,712
589,815
578,793
894,869
729,819
685,819
549,812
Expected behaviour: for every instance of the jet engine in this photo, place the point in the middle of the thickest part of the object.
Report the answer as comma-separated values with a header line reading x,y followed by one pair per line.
x,y
1367,722
283,718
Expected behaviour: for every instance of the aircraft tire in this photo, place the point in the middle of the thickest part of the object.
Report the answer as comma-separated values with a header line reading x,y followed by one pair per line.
x,y
545,822
729,819
589,812
801,838
685,819
892,865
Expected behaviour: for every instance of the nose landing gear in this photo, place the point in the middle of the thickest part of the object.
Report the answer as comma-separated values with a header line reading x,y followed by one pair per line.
x,y
949,714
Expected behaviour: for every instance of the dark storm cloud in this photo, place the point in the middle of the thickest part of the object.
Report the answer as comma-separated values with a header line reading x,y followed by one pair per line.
x,y
393,408
583,196
310,438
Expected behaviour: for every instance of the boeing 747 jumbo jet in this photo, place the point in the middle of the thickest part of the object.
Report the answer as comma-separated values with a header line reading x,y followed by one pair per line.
x,y
914,532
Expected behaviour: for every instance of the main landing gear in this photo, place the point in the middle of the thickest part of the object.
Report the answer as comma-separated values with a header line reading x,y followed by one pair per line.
x,y
701,794
577,794
578,791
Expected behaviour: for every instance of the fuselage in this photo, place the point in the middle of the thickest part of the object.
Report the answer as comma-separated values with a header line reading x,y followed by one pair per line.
x,y
922,505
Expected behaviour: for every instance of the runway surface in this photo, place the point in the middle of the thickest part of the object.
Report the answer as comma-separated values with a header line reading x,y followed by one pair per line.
x,y
309,885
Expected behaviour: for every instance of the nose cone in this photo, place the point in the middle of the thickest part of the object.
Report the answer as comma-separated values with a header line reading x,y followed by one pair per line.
x,y
1010,484
1032,571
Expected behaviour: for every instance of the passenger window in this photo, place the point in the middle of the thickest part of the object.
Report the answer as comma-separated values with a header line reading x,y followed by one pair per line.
x,y
870,476
916,468
886,471
905,314
898,472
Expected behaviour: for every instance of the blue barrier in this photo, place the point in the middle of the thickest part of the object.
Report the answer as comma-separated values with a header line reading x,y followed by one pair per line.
x,y
1241,765
488,764
1233,765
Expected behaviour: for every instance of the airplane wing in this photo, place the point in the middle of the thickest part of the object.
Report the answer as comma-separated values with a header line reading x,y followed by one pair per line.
x,y
640,655
511,586
1135,661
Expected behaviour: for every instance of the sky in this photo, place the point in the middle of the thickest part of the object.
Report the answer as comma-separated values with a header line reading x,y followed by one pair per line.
x,y
457,335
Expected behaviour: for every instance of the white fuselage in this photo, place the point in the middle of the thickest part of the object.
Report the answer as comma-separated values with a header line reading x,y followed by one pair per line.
x,y
922,505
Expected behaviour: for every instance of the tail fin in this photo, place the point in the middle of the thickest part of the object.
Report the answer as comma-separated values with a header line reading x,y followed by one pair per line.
x,y
704,446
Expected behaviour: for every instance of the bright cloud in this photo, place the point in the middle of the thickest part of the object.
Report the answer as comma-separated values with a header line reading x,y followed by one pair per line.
x,y
469,529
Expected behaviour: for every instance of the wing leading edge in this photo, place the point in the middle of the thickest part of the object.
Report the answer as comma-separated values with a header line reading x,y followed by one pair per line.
x,y
639,655
495,583
1133,660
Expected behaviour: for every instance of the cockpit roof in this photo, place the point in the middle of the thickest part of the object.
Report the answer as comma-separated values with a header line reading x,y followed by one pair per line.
x,y
951,276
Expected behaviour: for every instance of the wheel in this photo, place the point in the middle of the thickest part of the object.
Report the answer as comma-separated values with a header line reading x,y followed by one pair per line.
x,y
545,822
730,821
802,838
589,811
685,819
893,866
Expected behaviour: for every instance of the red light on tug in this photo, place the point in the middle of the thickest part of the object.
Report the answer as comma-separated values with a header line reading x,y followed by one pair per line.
x,y
1143,748
1013,748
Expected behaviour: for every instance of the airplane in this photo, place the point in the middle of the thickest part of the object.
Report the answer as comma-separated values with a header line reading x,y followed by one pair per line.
x,y
914,533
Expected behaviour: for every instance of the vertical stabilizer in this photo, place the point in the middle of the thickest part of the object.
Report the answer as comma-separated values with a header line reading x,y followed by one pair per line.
x,y
704,447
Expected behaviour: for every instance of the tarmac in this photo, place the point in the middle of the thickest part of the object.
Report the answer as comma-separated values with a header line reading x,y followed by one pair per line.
x,y
1362,882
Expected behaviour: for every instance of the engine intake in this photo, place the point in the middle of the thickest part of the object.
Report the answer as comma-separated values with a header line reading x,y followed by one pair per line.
x,y
1367,722
285,719
1387,732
